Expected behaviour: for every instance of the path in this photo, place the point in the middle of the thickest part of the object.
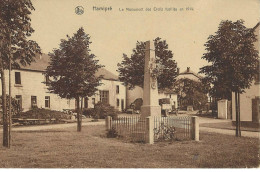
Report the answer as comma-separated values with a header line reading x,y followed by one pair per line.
x,y
85,122
210,121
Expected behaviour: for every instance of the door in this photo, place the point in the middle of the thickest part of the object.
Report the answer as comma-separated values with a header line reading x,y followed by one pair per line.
x,y
255,110
122,105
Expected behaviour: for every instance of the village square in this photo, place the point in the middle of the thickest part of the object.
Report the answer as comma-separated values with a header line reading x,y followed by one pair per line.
x,y
73,104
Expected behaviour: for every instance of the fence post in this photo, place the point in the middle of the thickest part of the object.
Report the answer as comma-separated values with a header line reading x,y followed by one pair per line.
x,y
195,128
149,130
108,122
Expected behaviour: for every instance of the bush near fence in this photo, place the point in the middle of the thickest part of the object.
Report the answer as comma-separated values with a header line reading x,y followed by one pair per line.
x,y
102,110
41,113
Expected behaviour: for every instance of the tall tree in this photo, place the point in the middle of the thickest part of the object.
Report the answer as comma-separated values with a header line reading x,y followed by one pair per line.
x,y
72,69
191,92
131,70
233,60
15,49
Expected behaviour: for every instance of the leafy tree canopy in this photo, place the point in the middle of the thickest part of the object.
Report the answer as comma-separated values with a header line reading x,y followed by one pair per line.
x,y
15,28
131,70
73,68
191,92
233,58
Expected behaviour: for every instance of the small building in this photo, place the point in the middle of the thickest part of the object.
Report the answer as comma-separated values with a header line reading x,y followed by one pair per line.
x,y
250,99
189,74
30,88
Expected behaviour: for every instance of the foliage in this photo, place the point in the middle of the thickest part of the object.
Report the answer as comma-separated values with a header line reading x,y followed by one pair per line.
x,y
164,132
15,106
131,70
103,110
73,68
136,105
15,28
112,133
233,59
40,113
15,49
191,92
89,112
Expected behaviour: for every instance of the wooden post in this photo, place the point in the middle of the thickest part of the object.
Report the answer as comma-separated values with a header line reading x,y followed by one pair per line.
x,y
108,122
10,101
5,120
239,122
236,104
149,129
195,128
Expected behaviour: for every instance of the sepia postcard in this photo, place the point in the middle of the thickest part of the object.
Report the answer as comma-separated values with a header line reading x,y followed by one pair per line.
x,y
101,84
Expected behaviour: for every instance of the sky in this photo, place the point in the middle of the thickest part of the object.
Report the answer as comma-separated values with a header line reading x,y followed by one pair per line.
x,y
116,32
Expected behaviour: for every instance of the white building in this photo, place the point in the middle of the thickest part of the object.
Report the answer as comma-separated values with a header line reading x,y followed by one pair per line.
x,y
250,99
189,74
29,88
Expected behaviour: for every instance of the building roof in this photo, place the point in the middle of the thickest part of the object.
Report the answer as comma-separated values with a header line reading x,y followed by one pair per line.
x,y
188,71
256,26
42,61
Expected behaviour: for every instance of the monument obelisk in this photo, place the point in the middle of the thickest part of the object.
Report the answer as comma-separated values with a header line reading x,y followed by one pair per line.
x,y
150,94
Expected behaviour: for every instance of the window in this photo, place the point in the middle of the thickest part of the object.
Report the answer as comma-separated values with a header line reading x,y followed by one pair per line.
x,y
34,101
93,101
47,101
86,102
104,96
19,101
47,80
117,103
117,89
17,78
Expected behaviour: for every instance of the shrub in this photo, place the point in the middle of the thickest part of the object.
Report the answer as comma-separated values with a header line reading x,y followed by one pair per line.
x,y
102,110
90,112
40,113
112,133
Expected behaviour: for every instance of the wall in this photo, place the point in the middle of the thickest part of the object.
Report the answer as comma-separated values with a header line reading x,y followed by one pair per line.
x,y
251,93
222,109
133,94
245,102
32,85
110,85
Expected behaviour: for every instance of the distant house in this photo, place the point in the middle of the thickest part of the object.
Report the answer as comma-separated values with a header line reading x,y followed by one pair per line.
x,y
250,99
189,74
30,87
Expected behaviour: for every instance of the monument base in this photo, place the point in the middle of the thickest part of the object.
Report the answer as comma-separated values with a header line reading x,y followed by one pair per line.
x,y
148,110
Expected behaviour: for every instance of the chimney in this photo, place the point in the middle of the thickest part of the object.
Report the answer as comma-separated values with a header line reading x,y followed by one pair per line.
x,y
188,69
178,71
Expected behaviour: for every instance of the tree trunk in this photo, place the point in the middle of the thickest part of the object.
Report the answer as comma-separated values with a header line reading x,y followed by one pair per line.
x,y
10,102
5,116
239,123
236,103
78,116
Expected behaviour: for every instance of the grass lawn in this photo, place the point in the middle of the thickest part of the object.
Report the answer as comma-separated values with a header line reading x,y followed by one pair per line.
x,y
90,149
